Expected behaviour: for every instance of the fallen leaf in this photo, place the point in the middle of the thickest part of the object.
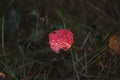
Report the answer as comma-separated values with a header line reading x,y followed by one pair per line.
x,y
2,75
61,39
114,44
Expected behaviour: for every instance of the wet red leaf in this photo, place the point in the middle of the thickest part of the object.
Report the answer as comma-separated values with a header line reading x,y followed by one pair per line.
x,y
61,39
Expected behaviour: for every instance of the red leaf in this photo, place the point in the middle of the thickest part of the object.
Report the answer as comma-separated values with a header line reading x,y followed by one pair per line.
x,y
60,39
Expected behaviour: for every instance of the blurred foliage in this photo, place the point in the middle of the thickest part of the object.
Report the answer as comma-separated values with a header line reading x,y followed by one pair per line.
x,y
24,48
